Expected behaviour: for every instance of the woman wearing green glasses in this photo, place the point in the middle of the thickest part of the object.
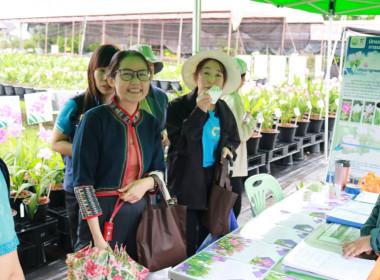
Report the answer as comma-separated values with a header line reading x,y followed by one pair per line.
x,y
117,157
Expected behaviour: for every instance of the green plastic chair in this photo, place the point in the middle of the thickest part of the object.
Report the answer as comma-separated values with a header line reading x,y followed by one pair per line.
x,y
256,188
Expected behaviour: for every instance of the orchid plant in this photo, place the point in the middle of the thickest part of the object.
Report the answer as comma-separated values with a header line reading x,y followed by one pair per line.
x,y
31,163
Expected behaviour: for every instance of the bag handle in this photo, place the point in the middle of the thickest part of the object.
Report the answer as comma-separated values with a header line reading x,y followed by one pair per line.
x,y
222,176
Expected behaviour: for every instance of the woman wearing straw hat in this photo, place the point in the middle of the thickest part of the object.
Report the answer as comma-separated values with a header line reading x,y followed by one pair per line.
x,y
156,102
202,130
240,168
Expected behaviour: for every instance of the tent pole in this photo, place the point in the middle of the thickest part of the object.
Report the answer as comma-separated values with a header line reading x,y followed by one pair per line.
x,y
58,37
162,40
139,31
283,36
179,40
83,36
197,26
327,89
46,35
72,37
342,47
103,32
229,36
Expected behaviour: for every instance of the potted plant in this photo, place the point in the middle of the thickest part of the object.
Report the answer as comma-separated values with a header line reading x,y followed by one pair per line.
x,y
269,134
315,89
333,104
286,103
251,104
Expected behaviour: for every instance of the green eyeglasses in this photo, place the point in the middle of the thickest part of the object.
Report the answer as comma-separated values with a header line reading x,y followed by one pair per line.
x,y
127,75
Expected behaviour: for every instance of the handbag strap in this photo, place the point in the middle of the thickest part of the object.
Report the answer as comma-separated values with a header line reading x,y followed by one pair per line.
x,y
116,209
222,176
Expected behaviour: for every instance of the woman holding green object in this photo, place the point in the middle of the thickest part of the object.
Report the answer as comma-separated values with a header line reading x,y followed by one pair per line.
x,y
202,130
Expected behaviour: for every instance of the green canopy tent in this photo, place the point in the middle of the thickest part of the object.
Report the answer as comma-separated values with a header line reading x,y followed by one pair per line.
x,y
329,8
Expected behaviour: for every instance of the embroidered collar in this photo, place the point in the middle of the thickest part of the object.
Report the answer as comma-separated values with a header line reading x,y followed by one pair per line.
x,y
123,115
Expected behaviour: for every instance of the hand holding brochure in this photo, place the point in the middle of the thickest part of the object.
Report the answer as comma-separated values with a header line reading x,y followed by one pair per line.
x,y
327,264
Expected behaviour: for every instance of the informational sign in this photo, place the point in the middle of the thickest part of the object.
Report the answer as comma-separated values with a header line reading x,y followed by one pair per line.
x,y
260,69
277,69
297,68
357,131
38,107
10,111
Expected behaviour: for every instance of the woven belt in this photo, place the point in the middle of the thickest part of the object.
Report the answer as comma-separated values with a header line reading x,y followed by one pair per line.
x,y
107,192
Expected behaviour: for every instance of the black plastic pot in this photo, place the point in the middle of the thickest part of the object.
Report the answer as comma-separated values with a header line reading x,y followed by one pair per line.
x,y
57,198
29,90
302,128
176,86
331,123
165,85
155,83
41,212
9,90
2,90
20,91
315,125
268,140
253,145
287,133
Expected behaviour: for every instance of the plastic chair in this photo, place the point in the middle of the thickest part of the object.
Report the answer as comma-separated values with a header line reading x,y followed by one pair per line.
x,y
256,188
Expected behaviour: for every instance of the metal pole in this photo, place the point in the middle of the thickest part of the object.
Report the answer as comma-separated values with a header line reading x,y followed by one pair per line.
x,y
58,36
65,41
197,25
327,89
21,24
162,40
179,40
283,37
83,36
72,37
139,32
46,34
104,32
229,36
342,49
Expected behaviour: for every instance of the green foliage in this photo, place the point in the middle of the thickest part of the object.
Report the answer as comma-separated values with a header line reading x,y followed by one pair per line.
x,y
44,71
92,47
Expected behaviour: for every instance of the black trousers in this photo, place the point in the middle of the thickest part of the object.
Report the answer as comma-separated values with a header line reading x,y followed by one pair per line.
x,y
237,187
72,208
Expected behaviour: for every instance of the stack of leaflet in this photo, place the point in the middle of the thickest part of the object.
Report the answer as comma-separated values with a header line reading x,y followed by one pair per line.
x,y
326,264
353,213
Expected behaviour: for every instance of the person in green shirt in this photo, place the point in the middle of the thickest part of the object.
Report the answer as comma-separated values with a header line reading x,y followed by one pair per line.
x,y
369,236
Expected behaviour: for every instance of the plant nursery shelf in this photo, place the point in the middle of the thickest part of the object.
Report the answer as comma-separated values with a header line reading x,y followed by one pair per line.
x,y
255,161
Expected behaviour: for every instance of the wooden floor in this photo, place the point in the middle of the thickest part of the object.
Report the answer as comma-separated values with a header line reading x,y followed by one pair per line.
x,y
312,169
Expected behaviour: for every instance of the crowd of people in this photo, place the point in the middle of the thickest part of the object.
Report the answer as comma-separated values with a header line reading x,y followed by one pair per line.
x,y
113,136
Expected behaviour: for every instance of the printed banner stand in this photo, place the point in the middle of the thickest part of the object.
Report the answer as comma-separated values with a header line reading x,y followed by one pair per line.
x,y
10,111
38,107
357,131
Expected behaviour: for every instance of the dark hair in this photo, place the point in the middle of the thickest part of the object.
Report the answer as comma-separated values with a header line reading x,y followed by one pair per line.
x,y
204,61
119,56
100,58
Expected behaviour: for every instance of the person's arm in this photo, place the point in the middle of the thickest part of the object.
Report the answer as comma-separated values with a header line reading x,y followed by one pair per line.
x,y
93,224
60,143
10,266
64,126
354,249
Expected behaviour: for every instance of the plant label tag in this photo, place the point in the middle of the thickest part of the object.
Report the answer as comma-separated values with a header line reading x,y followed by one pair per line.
x,y
320,103
260,118
22,214
297,111
309,105
337,102
277,112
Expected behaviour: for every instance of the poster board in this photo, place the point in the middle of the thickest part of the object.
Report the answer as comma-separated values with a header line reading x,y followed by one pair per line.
x,y
38,107
10,111
297,67
357,131
277,69
260,69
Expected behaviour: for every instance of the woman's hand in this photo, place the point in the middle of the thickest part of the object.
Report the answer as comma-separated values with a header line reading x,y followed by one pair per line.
x,y
225,152
101,244
353,249
203,101
135,190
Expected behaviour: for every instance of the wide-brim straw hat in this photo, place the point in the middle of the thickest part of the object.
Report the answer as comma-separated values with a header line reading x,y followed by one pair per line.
x,y
148,53
232,69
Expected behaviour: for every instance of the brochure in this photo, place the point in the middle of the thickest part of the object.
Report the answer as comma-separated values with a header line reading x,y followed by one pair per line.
x,y
332,265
